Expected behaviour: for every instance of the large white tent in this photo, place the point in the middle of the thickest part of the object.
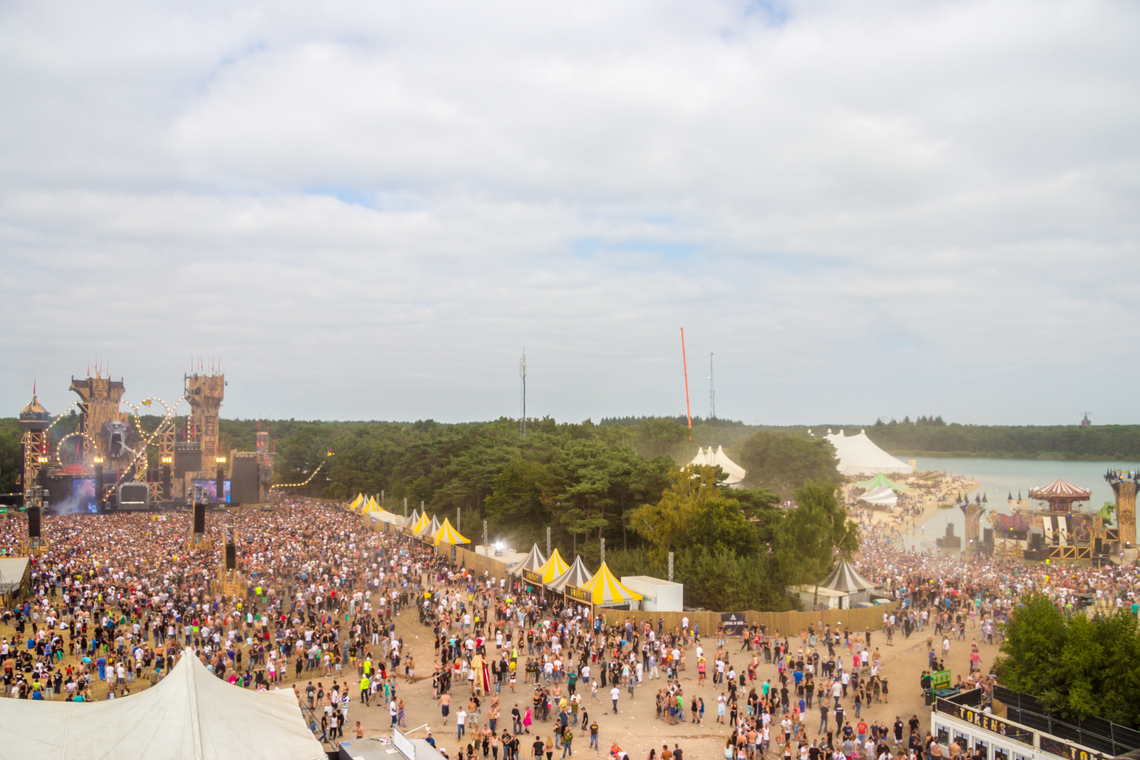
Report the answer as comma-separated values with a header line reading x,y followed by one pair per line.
x,y
189,715
719,459
858,455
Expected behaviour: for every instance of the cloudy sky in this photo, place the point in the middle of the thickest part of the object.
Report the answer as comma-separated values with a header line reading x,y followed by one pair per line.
x,y
368,210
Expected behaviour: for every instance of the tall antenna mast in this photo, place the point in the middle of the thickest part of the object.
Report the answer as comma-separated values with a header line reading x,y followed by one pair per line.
x,y
522,376
712,391
685,361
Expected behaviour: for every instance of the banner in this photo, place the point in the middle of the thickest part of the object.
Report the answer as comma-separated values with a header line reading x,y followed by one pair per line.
x,y
578,595
992,724
940,680
733,623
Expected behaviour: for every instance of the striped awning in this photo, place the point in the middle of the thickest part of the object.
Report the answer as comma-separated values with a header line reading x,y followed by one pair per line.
x,y
533,561
447,534
553,567
576,576
846,579
605,588
1060,490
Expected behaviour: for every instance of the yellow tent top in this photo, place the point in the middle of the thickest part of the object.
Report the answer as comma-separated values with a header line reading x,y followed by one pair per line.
x,y
554,567
420,525
355,503
448,535
605,588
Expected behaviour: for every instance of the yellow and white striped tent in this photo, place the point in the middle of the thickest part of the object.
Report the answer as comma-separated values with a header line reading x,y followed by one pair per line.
x,y
355,503
420,525
375,508
554,567
448,535
605,588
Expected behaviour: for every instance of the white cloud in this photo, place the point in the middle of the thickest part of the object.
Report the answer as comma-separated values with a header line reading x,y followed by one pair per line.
x,y
865,210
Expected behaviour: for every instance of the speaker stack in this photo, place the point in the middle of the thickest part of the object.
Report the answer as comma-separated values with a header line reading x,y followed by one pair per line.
x,y
200,519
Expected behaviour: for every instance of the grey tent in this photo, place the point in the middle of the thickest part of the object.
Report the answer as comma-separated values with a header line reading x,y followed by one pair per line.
x,y
532,561
577,576
847,580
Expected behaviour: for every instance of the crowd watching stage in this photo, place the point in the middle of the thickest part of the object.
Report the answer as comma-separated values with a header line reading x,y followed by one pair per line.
x,y
372,630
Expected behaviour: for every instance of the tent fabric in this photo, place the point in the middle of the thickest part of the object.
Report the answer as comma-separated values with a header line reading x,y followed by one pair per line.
x,y
847,579
881,481
1060,489
858,455
354,505
12,571
605,588
447,534
421,525
719,459
577,576
189,715
553,567
435,526
533,561
882,496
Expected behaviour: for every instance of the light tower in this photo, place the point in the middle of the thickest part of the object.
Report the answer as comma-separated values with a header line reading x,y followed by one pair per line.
x,y
522,376
34,421
101,422
712,390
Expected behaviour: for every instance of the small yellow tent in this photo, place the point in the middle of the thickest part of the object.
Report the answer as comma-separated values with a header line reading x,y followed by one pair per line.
x,y
355,503
420,525
554,567
605,588
448,535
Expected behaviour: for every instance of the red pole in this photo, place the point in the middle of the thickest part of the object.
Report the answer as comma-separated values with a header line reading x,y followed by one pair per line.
x,y
688,412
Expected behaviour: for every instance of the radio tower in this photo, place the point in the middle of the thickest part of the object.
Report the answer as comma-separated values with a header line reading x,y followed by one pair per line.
x,y
712,391
522,377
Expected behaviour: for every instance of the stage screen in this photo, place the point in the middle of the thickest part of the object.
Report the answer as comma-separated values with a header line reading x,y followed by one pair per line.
x,y
209,488
83,496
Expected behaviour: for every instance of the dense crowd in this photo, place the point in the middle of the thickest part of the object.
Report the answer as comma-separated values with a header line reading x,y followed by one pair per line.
x,y
116,599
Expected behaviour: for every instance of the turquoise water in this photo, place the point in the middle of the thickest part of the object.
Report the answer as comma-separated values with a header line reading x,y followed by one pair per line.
x,y
997,478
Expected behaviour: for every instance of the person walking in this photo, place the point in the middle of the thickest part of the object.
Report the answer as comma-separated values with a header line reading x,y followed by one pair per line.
x,y
615,692
594,735
567,738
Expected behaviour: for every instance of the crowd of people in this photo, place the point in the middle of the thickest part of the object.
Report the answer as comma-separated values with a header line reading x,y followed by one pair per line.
x,y
327,604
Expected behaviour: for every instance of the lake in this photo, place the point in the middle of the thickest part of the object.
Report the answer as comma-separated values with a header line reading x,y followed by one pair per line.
x,y
997,478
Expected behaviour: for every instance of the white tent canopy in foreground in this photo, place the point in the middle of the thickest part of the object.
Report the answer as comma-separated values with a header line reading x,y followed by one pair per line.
x,y
189,715
858,455
719,459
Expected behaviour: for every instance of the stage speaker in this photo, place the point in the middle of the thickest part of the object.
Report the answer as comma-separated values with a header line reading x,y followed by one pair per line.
x,y
99,486
987,535
199,519
220,485
1036,541
43,479
243,481
231,557
187,458
33,522
167,482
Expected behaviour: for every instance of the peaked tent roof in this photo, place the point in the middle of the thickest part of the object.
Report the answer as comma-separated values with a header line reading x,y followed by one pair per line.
x,y
355,503
881,480
533,561
847,579
447,534
1060,490
605,588
420,525
435,526
553,567
882,496
719,459
577,576
858,455
189,715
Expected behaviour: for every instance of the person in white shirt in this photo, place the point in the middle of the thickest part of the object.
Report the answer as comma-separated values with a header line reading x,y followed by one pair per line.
x,y
615,692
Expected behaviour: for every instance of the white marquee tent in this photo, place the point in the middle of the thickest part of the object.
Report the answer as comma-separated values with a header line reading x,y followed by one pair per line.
x,y
719,459
858,455
189,715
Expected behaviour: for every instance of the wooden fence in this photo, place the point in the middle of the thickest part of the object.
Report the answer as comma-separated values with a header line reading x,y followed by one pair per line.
x,y
788,623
